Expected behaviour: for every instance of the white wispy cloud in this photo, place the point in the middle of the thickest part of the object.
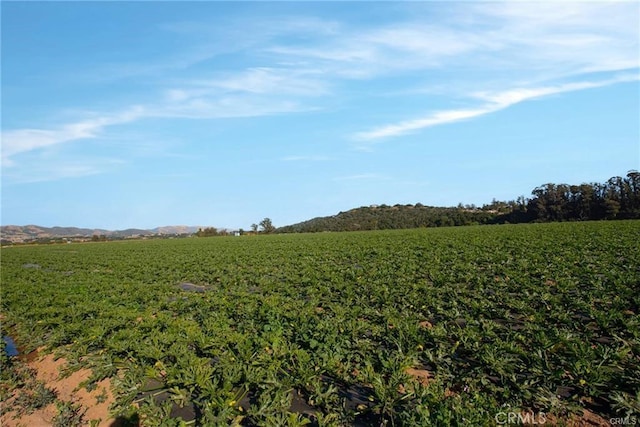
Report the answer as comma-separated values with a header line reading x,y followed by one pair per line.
x,y
23,140
533,39
270,80
434,119
555,39
281,80
46,170
495,101
226,107
520,41
249,93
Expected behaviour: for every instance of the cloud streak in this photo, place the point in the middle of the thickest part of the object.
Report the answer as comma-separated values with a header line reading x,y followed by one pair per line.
x,y
248,94
50,171
496,101
23,140
534,42
533,38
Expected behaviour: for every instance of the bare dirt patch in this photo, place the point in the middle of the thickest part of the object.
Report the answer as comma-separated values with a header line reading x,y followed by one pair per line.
x,y
425,324
95,404
421,375
587,419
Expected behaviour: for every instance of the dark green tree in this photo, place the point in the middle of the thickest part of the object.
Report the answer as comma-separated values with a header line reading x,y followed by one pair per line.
x,y
207,232
267,226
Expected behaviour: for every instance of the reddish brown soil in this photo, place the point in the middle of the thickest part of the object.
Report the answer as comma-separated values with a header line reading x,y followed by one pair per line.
x,y
425,324
68,389
588,418
421,375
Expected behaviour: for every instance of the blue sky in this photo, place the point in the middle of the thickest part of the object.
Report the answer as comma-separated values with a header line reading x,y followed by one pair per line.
x,y
141,114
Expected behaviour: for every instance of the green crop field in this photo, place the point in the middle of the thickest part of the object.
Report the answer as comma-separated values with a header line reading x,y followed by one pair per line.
x,y
447,326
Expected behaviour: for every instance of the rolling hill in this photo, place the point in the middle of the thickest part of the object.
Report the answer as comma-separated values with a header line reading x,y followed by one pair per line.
x,y
26,233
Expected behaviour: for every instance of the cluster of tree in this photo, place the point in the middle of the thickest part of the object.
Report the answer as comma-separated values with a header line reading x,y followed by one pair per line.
x,y
212,231
266,226
618,198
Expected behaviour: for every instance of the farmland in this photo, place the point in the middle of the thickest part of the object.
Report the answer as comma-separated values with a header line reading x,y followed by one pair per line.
x,y
447,326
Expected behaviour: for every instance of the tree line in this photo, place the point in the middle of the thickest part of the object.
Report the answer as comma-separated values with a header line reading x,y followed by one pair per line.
x,y
617,198
265,226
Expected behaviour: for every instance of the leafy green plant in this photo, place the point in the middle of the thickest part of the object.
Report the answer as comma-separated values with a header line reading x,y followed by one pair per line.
x,y
69,415
540,316
38,396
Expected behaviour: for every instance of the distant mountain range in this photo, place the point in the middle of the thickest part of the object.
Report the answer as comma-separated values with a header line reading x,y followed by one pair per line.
x,y
25,233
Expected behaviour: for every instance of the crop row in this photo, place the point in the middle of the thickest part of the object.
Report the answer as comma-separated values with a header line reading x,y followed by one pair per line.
x,y
411,327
